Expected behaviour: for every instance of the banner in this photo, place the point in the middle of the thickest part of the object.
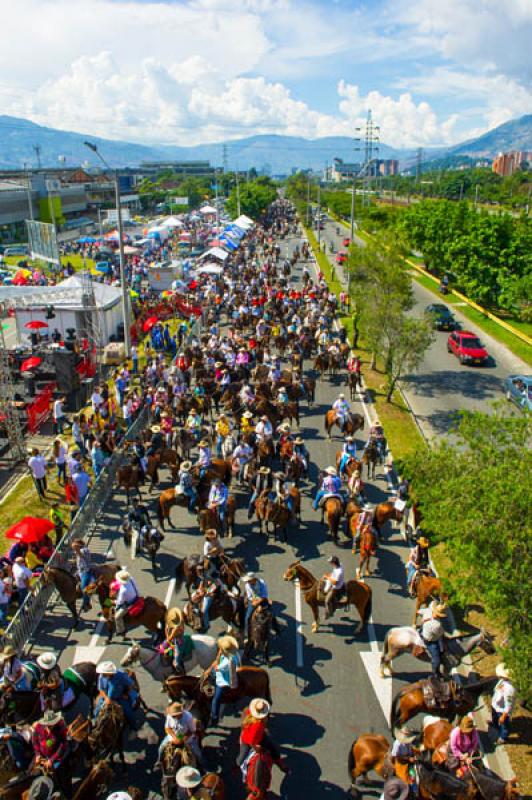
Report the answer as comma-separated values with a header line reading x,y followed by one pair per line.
x,y
42,241
39,411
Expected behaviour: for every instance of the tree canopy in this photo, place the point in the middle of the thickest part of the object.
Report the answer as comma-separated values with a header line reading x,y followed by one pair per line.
x,y
255,197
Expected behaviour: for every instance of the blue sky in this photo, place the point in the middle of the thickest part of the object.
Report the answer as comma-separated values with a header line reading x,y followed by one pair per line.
x,y
432,71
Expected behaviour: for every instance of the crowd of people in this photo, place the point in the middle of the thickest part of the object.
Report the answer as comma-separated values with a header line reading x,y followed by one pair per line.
x,y
222,400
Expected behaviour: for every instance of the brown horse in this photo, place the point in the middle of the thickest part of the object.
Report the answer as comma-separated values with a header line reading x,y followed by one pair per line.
x,y
352,465
231,571
96,782
219,468
436,732
331,512
129,477
68,585
265,452
357,593
252,682
274,513
208,518
289,411
368,753
353,380
106,738
384,512
168,499
427,588
151,617
410,700
353,423
368,548
227,607
371,458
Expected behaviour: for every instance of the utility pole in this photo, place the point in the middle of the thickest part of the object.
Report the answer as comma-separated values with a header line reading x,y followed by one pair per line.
x,y
224,164
216,201
308,197
37,151
319,213
28,190
123,281
237,195
371,140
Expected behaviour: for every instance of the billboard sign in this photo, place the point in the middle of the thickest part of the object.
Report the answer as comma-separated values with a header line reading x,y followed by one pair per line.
x,y
180,201
112,216
42,241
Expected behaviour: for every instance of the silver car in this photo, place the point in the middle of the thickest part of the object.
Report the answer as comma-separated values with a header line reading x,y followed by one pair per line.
x,y
518,390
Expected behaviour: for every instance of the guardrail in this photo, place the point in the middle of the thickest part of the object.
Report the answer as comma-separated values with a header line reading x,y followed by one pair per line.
x,y
29,615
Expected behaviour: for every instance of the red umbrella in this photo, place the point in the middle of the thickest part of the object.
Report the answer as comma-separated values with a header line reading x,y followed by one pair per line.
x,y
35,324
149,323
29,529
30,363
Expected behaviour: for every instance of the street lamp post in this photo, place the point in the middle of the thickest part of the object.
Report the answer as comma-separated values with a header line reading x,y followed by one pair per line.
x,y
123,282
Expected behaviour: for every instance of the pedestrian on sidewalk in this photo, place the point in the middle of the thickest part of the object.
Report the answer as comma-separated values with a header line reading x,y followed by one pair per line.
x,y
60,452
21,578
59,415
37,465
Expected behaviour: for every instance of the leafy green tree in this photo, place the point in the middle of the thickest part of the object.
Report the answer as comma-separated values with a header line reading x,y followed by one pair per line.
x,y
255,197
475,497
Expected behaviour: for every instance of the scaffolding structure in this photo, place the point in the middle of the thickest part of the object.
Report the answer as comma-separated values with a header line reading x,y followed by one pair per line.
x,y
92,323
15,437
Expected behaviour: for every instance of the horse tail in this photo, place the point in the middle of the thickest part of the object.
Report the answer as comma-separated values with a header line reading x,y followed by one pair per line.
x,y
368,609
351,762
396,711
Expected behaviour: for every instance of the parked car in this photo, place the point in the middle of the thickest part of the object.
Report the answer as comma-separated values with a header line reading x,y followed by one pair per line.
x,y
346,242
467,347
518,390
341,258
442,316
16,250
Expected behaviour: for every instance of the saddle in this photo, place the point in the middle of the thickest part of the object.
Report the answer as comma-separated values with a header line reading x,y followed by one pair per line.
x,y
136,608
437,694
79,728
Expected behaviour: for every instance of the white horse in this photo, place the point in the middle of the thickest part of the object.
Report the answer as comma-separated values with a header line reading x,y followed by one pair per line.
x,y
203,654
408,640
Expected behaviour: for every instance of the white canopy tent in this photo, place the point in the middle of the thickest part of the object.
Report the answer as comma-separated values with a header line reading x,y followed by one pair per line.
x,y
210,269
207,210
171,222
243,222
214,252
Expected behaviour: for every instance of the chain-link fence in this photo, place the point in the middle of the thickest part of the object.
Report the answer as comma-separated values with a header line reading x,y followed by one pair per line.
x,y
31,612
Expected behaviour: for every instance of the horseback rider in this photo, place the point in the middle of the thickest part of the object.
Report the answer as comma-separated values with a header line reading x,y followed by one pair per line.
x,y
254,734
204,591
84,570
223,429
433,634
204,458
127,595
264,429
355,486
343,410
51,748
213,553
177,644
217,501
353,364
115,685
349,451
333,585
156,442
301,453
193,423
225,669
282,396
180,729
463,747
281,492
376,434
256,595
262,481
246,424
52,691
139,514
331,485
419,561
246,395
242,455
185,485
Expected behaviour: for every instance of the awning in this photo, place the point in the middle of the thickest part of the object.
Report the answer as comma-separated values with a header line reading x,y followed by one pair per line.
x,y
207,210
210,269
214,252
243,222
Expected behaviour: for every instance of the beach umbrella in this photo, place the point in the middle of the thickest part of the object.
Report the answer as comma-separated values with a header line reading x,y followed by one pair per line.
x,y
35,325
167,293
29,529
30,363
86,240
102,266
149,323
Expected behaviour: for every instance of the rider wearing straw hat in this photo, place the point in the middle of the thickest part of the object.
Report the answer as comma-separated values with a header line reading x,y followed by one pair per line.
x,y
50,745
188,780
254,733
225,671
185,485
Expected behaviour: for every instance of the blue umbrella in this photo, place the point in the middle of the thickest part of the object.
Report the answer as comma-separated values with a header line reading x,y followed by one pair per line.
x,y
102,266
86,240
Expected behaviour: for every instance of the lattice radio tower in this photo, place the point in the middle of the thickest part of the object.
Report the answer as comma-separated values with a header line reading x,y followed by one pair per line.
x,y
15,437
371,146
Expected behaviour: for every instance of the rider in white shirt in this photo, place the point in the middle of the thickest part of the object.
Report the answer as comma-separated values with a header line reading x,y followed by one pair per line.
x,y
264,429
334,582
342,408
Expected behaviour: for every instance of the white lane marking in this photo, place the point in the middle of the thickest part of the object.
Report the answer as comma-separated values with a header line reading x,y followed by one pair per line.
x,y
299,625
372,636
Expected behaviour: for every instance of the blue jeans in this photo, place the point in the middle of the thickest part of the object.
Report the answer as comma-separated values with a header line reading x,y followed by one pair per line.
x,y
317,499
410,572
219,441
59,422
191,494
22,594
251,504
435,656
135,362
207,603
61,472
217,702
85,579
343,462
502,728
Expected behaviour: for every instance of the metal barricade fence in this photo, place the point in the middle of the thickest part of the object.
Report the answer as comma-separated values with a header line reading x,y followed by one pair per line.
x,y
29,615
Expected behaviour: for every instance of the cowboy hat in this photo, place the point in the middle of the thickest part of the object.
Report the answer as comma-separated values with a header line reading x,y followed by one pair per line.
x,y
249,576
203,443
51,718
155,429
467,724
228,643
259,708
211,533
404,737
264,470
106,668
396,789
423,541
349,439
7,652
186,466
42,788
330,471
502,671
248,415
284,427
188,778
341,396
175,708
438,610
47,660
119,796
299,440
122,576
165,414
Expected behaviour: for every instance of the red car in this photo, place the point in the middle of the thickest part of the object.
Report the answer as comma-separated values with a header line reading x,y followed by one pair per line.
x,y
346,242
467,347
341,257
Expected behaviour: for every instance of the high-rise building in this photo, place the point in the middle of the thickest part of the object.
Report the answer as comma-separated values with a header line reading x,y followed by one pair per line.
x,y
388,166
507,163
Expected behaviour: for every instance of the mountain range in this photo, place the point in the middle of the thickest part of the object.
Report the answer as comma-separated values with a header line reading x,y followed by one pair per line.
x,y
278,154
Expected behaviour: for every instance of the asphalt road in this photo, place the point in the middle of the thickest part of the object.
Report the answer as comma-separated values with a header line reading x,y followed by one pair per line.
x,y
322,687
441,386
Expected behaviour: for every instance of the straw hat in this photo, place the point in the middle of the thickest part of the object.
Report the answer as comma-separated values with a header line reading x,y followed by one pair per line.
x,y
228,644
330,471
165,414
264,470
247,415
502,672
249,576
439,610
155,429
259,708
42,788
47,660
423,541
341,396
51,718
119,796
122,576
106,668
349,439
203,443
404,737
188,778
186,466
174,709
467,724
7,652
396,789
285,427
299,440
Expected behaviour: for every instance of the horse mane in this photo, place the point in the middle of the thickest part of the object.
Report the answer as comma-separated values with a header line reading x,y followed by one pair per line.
x,y
298,566
61,569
